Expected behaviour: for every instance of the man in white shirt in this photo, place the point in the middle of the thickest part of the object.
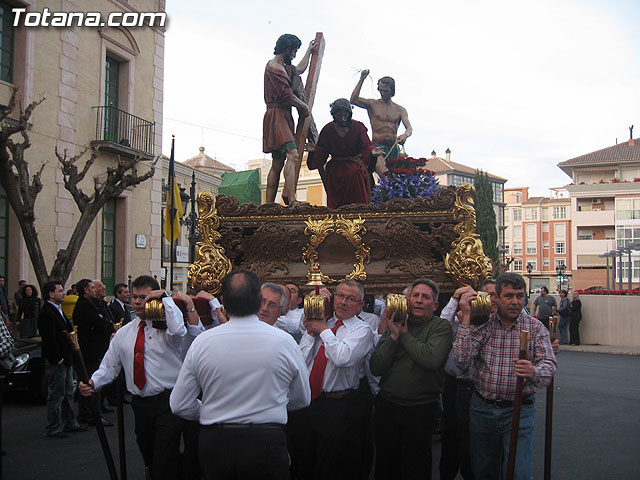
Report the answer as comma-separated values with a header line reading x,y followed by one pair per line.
x,y
289,321
273,302
151,359
326,438
249,374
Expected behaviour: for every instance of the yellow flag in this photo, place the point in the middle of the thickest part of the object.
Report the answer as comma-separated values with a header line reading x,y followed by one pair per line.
x,y
173,212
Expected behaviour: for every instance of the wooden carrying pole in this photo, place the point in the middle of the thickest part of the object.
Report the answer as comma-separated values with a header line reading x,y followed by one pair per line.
x,y
310,89
517,407
548,420
119,385
94,407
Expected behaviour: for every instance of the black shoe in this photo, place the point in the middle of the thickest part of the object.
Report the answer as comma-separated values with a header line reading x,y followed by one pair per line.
x,y
77,429
57,435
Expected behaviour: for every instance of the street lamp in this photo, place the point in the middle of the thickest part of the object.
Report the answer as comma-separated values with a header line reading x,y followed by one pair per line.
x,y
607,255
529,270
191,220
614,254
184,199
560,271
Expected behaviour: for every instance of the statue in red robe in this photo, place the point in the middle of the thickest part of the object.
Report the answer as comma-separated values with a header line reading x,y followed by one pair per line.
x,y
348,174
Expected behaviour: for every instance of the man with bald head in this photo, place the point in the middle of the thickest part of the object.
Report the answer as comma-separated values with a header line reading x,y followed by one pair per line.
x,y
247,375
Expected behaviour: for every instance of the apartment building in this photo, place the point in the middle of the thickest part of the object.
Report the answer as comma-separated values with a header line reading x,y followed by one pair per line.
x,y
538,233
605,211
103,88
449,172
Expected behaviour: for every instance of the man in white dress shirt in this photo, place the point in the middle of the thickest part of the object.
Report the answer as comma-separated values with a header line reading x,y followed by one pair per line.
x,y
249,374
289,321
151,359
273,303
325,439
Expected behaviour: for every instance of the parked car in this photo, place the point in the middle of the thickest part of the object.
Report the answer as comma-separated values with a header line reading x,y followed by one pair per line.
x,y
30,377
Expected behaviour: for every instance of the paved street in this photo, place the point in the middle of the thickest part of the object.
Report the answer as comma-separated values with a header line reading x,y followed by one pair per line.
x,y
596,434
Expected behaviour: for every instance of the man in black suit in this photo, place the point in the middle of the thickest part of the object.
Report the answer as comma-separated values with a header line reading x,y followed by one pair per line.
x,y
119,306
57,351
93,338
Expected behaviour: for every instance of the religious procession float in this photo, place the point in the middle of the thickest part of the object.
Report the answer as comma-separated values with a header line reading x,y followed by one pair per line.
x,y
411,228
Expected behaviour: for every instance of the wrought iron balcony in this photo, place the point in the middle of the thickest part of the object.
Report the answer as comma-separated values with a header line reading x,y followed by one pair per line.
x,y
121,133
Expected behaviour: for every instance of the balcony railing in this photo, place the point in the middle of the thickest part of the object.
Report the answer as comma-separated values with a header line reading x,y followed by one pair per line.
x,y
123,133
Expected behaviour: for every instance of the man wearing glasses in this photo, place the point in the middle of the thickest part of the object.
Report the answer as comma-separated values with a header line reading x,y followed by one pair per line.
x,y
325,437
273,303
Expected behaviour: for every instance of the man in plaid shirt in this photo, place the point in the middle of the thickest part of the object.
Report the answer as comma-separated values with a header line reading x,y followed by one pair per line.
x,y
491,352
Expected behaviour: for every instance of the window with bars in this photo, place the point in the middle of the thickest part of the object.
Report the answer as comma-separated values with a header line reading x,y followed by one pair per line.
x,y
560,247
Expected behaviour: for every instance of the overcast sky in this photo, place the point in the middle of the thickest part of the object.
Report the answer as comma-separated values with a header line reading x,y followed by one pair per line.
x,y
512,87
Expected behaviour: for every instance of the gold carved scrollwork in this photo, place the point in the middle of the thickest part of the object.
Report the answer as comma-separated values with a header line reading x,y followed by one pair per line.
x,y
210,264
466,261
318,229
351,230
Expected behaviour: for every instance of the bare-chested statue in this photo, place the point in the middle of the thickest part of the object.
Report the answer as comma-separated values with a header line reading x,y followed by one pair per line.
x,y
278,136
385,117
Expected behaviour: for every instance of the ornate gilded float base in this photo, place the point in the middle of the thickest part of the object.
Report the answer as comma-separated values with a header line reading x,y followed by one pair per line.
x,y
210,265
467,262
350,230
385,247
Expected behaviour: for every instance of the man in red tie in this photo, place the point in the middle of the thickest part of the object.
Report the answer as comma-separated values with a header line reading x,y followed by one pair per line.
x,y
325,437
151,359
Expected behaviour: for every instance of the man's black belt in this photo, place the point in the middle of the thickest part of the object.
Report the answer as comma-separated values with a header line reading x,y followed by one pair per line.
x,y
153,398
526,400
464,383
245,426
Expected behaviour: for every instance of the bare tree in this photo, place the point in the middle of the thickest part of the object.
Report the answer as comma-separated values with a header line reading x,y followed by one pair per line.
x,y
22,189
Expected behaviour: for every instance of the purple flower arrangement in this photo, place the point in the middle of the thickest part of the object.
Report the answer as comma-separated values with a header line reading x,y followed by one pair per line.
x,y
406,178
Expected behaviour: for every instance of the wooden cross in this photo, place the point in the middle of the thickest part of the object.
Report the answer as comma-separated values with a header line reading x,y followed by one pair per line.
x,y
310,89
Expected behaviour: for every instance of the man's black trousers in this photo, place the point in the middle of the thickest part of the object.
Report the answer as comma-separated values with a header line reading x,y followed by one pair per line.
x,y
244,452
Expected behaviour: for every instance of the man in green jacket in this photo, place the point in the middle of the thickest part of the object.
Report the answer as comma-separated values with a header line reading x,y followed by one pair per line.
x,y
410,358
